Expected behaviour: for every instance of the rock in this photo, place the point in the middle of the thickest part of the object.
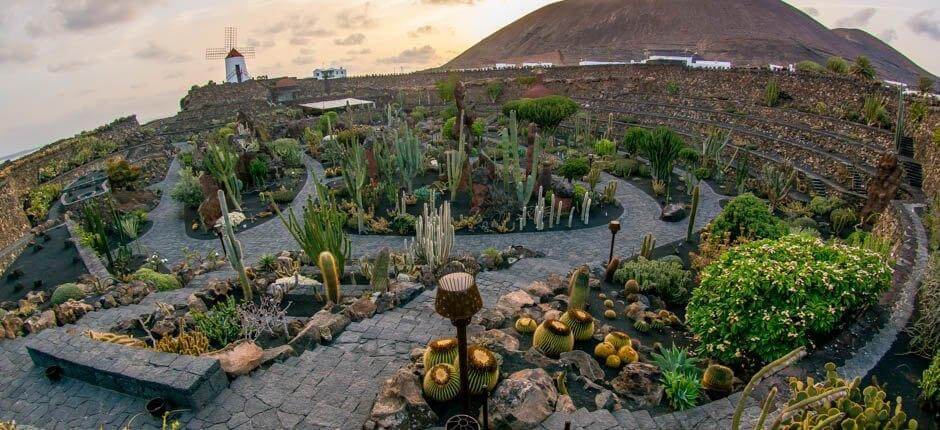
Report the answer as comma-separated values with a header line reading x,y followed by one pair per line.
x,y
536,358
241,359
586,365
523,400
10,326
400,405
673,212
40,322
511,304
287,284
638,382
519,252
416,354
71,311
360,309
490,318
656,303
553,314
404,277
607,400
540,290
235,217
405,290
163,328
565,404
322,327
499,341
196,304
635,310
557,283
277,353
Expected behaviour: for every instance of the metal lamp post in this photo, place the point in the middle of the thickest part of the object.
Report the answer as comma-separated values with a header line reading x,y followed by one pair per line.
x,y
458,299
614,227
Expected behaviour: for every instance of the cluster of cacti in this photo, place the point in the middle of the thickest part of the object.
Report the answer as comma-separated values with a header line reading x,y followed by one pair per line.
x,y
539,214
610,193
613,361
221,161
608,303
580,322
233,249
409,157
668,317
649,244
455,164
631,286
585,209
627,354
641,326
120,339
578,289
434,235
552,338
442,350
329,270
657,324
355,173
692,213
604,350
483,369
187,343
718,378
618,339
526,325
442,382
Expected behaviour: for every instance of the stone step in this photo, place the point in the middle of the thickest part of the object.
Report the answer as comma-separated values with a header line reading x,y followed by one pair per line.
x,y
907,146
913,172
818,187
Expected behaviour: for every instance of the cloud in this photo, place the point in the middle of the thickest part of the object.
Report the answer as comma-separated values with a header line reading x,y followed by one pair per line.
x,y
158,53
306,51
888,36
35,30
857,19
352,39
363,51
439,2
355,18
926,24
80,15
417,55
18,53
275,28
312,32
173,75
811,11
299,40
67,66
304,60
260,43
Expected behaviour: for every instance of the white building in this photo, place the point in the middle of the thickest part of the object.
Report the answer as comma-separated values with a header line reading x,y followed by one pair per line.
x,y
501,66
682,58
330,73
600,63
235,69
538,64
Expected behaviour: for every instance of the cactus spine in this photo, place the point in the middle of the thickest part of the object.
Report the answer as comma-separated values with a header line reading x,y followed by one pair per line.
x,y
434,235
442,382
649,243
580,322
578,289
692,212
439,351
330,272
233,249
552,338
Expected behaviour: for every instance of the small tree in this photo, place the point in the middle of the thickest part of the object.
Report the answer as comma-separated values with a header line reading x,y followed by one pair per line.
x,y
863,68
494,90
546,112
662,149
633,138
574,167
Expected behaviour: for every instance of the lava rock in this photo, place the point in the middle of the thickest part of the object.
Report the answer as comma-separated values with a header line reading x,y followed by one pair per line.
x,y
523,400
639,382
400,405
673,212
586,365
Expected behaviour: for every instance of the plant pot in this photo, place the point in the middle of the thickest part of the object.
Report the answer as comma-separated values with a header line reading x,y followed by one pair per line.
x,y
53,373
157,407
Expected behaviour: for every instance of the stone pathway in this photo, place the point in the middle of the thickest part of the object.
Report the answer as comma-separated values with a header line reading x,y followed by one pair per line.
x,y
331,386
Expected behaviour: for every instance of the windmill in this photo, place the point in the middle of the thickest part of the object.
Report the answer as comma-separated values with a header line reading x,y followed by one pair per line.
x,y
235,69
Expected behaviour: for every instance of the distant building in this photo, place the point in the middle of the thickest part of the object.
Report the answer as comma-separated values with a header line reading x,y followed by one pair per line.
x,y
601,63
532,65
330,73
684,58
336,105
235,69
501,66
286,90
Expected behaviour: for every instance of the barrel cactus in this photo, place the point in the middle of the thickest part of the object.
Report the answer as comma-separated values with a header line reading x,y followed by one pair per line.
x,y
442,350
442,382
580,322
483,372
578,289
627,354
526,325
718,378
613,361
330,270
618,339
553,337
604,350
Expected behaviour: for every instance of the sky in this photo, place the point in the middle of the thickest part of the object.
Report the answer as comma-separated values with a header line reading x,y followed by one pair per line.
x,y
72,65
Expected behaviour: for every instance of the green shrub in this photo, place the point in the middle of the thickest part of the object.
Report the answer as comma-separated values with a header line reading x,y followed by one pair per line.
x,y
842,218
605,147
220,324
160,281
546,112
633,140
403,223
423,194
664,277
121,173
930,382
258,169
283,195
40,199
326,122
689,155
821,206
494,255
805,288
681,389
748,216
837,65
624,167
573,168
772,93
65,292
187,191
288,150
810,67
925,333
866,240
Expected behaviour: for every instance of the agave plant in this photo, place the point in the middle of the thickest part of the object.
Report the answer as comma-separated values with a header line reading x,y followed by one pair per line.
x,y
662,149
676,359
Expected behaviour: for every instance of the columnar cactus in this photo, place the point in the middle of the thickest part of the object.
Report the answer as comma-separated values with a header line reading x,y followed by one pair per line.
x,y
434,235
455,162
585,209
330,272
379,275
649,243
694,211
540,211
578,289
409,157
233,249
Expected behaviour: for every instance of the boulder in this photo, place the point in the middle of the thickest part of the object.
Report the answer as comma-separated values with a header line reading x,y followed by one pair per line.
x,y
40,322
322,327
639,382
557,283
360,309
511,304
536,358
400,405
585,365
196,304
523,400
240,359
607,400
71,311
565,404
540,289
499,341
405,290
553,314
10,326
673,212
288,284
277,353
635,310
490,318
163,328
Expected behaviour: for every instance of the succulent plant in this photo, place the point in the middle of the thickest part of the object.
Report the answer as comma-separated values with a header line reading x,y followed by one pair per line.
x,y
580,322
608,303
632,298
718,378
602,296
618,339
610,314
627,354
120,339
187,343
631,287
612,361
663,314
443,350
526,325
641,326
442,382
578,289
553,337
604,350
657,324
330,271
612,266
483,372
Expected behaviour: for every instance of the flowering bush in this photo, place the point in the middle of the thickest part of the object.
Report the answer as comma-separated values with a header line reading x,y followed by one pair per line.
x,y
748,216
761,300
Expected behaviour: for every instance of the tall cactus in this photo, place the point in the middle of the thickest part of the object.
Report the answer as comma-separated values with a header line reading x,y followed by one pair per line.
x,y
233,249
221,161
434,235
649,244
379,276
455,162
692,213
408,156
330,272
899,128
578,289
540,212
355,173
774,367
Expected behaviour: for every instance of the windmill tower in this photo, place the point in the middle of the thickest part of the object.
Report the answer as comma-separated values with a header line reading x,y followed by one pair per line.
x,y
236,71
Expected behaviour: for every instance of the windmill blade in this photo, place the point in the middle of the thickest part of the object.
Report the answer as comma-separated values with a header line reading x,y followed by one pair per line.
x,y
216,53
231,37
247,51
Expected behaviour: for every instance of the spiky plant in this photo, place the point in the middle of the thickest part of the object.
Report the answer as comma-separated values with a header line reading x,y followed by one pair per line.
x,y
221,161
483,371
718,378
580,322
618,339
675,359
649,244
578,289
662,149
442,350
641,326
552,338
233,249
627,354
409,157
320,228
330,271
682,390
631,286
613,361
526,325
776,183
442,382
604,350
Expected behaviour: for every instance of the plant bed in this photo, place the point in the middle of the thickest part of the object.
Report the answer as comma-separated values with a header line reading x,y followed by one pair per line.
x,y
52,260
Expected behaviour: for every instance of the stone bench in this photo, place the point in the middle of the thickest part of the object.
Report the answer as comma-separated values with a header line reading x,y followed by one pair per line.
x,y
183,380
